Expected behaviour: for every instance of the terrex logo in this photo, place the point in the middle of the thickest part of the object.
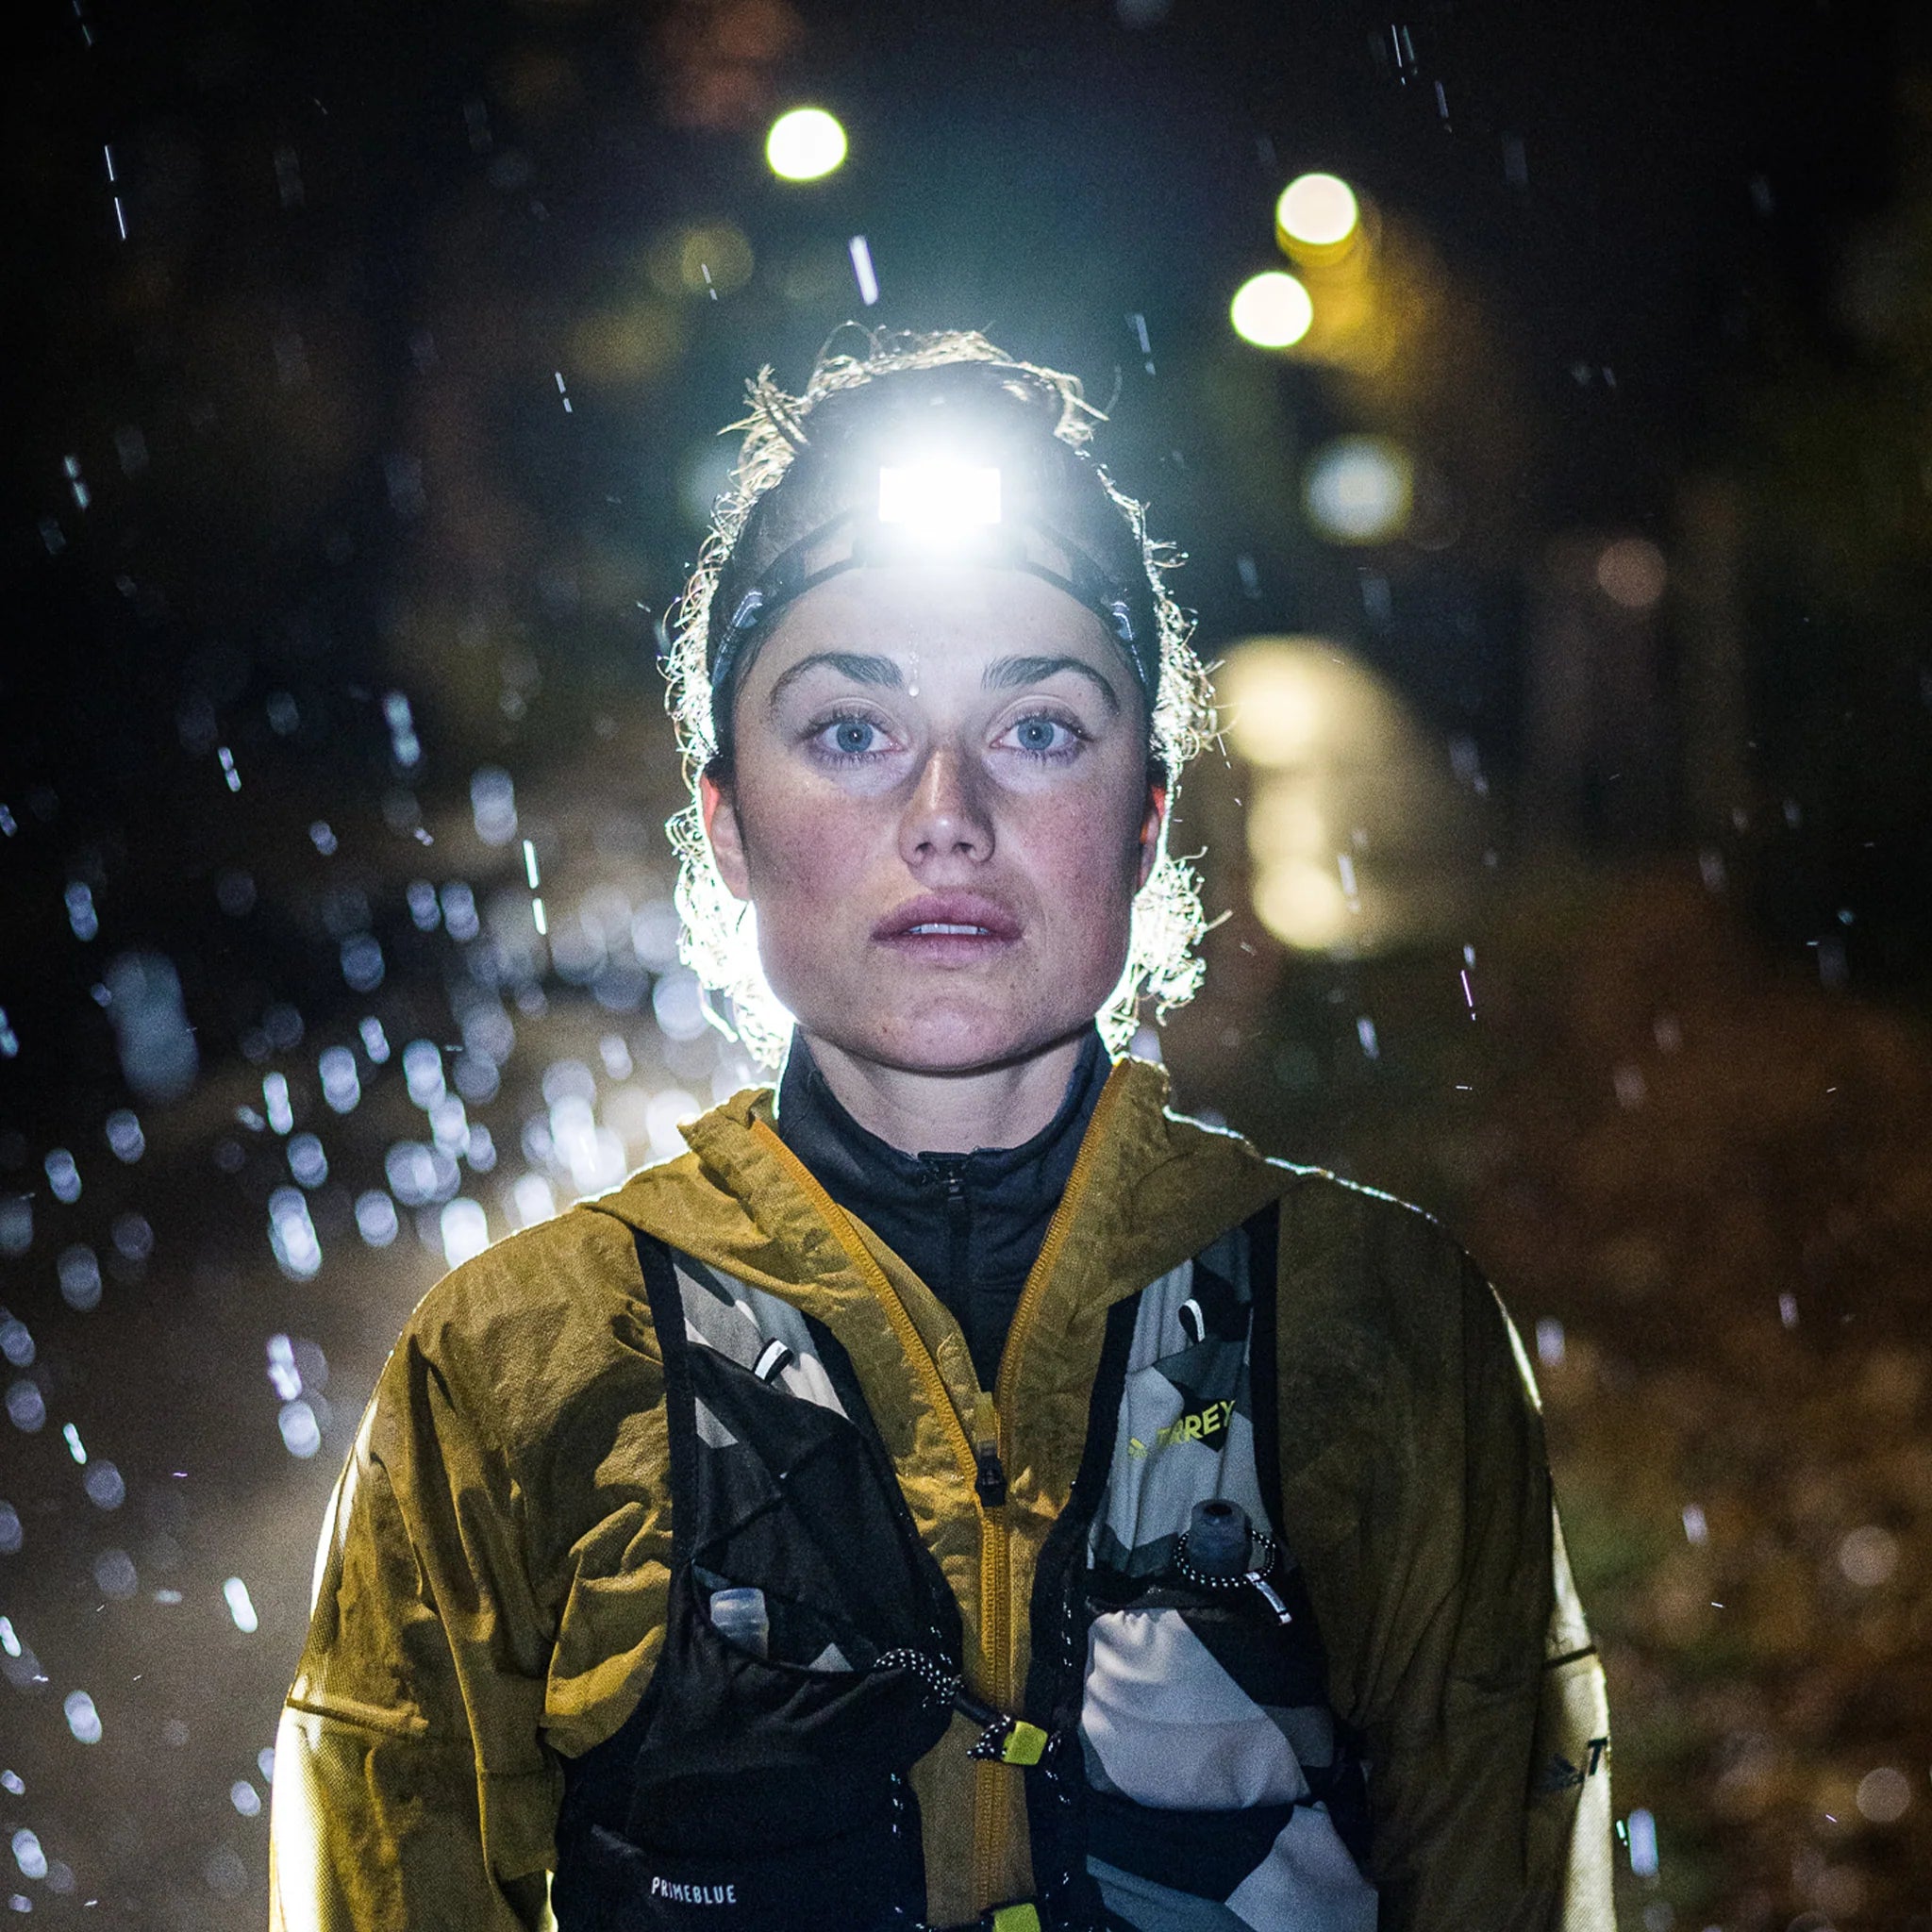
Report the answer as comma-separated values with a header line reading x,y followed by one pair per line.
x,y
1208,1423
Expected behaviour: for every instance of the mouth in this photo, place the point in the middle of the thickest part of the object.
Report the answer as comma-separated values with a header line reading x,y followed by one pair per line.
x,y
945,926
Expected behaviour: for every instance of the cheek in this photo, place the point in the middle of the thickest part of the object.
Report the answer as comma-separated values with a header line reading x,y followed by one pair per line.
x,y
1082,852
804,840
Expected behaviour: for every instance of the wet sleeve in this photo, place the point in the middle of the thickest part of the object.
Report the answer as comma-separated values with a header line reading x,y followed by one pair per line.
x,y
1490,1776
412,1788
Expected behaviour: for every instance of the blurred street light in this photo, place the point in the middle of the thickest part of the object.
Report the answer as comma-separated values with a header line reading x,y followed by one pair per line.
x,y
1272,310
1360,837
1318,210
805,145
1359,489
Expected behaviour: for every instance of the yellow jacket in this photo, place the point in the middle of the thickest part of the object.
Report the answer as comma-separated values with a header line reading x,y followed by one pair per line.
x,y
493,1578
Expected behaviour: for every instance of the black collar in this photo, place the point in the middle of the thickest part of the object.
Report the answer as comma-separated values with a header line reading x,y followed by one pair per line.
x,y
970,1226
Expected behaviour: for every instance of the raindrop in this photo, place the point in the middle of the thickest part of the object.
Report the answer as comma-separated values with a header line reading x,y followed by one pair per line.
x,y
16,1343
125,1136
134,1239
104,1488
342,1085
16,1225
677,1000
81,915
306,1160
239,1607
301,1433
460,911
28,1856
465,1230
245,1798
282,1370
80,1278
422,1070
533,1200
291,1234
12,1535
158,1057
83,1720
494,806
375,1217
26,1409
419,1174
362,964
63,1176
225,1873
115,1574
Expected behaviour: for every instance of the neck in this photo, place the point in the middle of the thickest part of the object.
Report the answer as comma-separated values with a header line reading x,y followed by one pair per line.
x,y
951,1113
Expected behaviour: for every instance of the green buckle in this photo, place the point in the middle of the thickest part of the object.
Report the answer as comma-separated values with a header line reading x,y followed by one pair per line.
x,y
1010,1741
1024,1917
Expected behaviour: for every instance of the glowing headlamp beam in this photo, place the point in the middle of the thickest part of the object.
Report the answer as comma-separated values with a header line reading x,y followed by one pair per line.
x,y
938,502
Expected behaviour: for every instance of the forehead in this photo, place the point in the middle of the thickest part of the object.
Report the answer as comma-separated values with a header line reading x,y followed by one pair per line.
x,y
954,617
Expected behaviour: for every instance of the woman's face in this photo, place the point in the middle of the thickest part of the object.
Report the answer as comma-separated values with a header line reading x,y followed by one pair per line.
x,y
941,809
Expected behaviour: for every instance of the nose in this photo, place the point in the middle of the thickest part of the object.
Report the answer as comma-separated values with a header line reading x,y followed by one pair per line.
x,y
945,817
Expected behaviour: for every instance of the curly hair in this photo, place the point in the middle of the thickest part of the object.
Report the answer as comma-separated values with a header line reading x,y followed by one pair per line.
x,y
719,940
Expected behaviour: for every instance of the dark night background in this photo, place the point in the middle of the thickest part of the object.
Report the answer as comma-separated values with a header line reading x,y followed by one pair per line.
x,y
301,538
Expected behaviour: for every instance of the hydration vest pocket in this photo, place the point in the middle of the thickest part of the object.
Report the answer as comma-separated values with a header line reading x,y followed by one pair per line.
x,y
865,1879
761,1785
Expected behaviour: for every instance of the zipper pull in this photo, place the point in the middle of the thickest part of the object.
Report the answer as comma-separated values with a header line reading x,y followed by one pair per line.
x,y
990,1484
1270,1597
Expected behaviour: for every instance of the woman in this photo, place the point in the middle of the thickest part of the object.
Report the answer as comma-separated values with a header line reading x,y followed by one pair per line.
x,y
958,1491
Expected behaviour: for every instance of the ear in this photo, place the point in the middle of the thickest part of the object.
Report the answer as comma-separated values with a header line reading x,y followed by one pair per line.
x,y
1151,825
727,836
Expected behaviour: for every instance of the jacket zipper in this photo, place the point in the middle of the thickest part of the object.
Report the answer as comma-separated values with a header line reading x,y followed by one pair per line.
x,y
992,1789
991,1803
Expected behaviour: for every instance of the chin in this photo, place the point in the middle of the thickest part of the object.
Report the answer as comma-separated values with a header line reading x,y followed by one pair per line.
x,y
947,1035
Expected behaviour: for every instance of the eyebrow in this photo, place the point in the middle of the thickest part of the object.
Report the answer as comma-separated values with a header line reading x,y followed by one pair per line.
x,y
860,667
1004,674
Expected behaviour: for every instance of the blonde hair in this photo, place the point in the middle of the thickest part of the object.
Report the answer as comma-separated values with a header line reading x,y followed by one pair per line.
x,y
719,940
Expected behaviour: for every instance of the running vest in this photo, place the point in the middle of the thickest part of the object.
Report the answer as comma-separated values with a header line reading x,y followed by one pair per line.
x,y
1185,1772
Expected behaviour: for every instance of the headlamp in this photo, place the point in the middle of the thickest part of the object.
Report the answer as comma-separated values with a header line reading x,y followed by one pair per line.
x,y
939,504
925,508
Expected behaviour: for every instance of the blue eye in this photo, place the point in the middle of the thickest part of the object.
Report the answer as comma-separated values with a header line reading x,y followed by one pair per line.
x,y
1043,738
850,738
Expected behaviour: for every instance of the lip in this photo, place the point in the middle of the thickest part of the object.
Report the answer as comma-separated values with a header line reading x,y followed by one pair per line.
x,y
994,925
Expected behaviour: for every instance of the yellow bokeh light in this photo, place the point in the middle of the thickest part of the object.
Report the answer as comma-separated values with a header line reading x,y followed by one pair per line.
x,y
1272,310
1270,706
1318,211
705,258
805,145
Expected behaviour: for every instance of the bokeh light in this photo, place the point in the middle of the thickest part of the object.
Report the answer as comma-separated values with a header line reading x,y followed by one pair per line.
x,y
1631,572
805,145
1359,489
1318,211
1272,310
1358,837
